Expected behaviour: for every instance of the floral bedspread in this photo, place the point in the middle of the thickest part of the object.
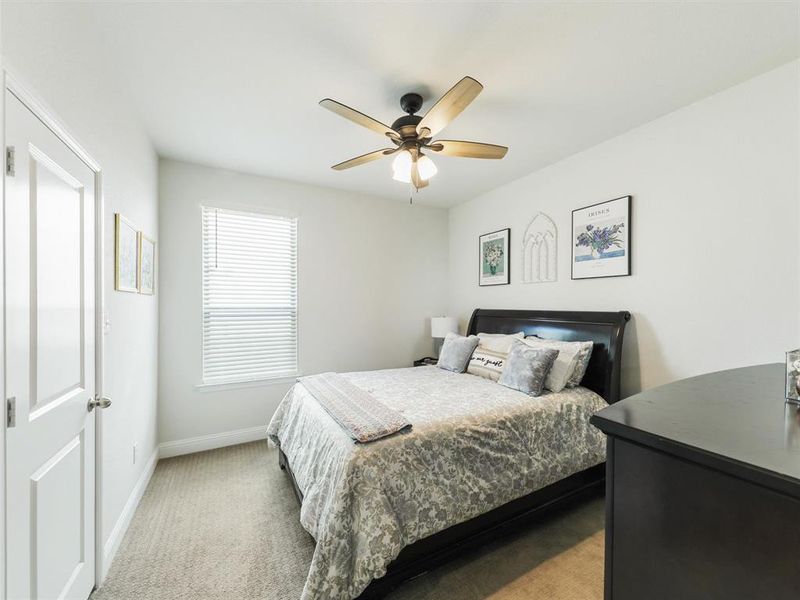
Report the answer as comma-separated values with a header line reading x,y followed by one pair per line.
x,y
474,446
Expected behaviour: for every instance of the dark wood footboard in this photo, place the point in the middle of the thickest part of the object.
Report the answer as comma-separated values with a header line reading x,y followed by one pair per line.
x,y
433,551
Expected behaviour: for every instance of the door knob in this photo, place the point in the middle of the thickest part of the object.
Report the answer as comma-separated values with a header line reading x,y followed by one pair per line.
x,y
98,402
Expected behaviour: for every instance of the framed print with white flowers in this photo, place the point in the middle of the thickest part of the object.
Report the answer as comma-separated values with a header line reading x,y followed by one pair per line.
x,y
493,258
126,255
601,239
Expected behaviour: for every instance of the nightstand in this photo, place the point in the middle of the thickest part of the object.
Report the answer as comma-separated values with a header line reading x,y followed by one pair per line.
x,y
428,360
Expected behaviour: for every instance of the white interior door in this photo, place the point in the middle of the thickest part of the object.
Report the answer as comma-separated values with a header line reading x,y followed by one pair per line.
x,y
50,359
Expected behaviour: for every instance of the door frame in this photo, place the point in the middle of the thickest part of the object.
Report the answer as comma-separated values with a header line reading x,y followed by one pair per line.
x,y
33,101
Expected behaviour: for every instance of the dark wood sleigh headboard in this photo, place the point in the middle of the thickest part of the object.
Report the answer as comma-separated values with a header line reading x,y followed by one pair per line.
x,y
605,329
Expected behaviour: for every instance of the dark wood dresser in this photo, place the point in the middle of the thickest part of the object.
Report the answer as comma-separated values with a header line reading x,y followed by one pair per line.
x,y
703,490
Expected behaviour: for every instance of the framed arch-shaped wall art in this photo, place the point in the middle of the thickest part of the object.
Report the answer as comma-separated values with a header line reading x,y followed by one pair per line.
x,y
540,250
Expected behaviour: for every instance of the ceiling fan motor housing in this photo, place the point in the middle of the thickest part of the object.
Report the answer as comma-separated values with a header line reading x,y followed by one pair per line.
x,y
411,103
406,125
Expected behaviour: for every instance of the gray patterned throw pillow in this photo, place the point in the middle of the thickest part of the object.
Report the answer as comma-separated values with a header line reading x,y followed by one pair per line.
x,y
456,352
526,368
583,362
570,365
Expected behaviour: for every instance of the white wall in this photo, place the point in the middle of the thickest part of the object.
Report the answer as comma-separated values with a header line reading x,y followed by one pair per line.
x,y
715,250
2,354
48,47
371,273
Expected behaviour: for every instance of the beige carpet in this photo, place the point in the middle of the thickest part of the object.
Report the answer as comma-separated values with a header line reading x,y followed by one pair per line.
x,y
224,525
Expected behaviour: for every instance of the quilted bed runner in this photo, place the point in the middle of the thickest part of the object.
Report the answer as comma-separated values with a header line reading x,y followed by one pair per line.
x,y
363,417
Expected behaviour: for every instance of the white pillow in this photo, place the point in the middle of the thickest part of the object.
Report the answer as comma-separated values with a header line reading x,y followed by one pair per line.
x,y
499,342
564,366
584,350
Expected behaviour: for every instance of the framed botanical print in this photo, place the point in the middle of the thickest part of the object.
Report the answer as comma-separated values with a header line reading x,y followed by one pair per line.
x,y
601,239
493,257
126,255
147,265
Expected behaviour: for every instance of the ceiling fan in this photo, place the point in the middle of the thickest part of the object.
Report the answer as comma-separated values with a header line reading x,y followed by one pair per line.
x,y
411,134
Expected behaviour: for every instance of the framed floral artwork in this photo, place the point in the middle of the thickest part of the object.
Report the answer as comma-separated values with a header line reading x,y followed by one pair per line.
x,y
147,265
601,239
493,258
126,255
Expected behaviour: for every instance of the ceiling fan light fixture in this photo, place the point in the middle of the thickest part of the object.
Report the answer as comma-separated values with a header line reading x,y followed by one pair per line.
x,y
426,166
411,134
402,166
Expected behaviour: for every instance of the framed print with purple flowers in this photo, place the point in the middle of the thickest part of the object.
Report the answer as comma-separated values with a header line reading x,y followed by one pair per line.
x,y
601,239
493,256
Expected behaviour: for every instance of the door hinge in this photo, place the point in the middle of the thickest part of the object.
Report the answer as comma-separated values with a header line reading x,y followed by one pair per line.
x,y
10,160
11,412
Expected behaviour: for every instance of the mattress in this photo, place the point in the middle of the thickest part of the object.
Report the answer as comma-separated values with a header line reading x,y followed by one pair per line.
x,y
474,445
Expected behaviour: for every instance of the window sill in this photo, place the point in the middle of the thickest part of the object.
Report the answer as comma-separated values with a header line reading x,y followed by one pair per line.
x,y
247,383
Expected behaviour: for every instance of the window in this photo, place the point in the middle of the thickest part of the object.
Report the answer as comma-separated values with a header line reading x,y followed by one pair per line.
x,y
249,296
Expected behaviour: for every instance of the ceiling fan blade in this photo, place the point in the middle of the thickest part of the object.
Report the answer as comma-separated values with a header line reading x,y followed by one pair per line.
x,y
449,106
468,149
358,117
364,158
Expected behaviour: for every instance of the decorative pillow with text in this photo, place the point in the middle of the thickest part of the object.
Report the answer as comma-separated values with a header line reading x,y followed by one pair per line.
x,y
487,363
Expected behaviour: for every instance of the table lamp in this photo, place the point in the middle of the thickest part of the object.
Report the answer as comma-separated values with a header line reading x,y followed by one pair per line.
x,y
440,327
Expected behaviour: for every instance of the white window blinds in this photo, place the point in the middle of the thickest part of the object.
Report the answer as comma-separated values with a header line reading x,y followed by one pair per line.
x,y
249,296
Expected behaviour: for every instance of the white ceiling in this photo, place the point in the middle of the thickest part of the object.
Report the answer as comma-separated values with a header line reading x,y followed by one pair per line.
x,y
237,85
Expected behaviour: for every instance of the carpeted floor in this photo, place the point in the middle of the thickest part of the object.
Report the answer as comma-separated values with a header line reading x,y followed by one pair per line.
x,y
225,524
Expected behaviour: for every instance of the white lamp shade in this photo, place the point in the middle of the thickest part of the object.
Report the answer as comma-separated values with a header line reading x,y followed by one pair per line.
x,y
426,168
402,167
441,326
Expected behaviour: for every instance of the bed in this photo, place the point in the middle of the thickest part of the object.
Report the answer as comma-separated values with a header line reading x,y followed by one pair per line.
x,y
479,459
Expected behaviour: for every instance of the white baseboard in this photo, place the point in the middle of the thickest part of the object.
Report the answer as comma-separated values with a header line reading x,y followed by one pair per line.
x,y
121,526
214,440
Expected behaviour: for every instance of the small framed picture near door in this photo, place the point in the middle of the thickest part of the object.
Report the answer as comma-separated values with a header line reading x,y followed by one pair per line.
x,y
147,265
126,254
601,239
493,256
